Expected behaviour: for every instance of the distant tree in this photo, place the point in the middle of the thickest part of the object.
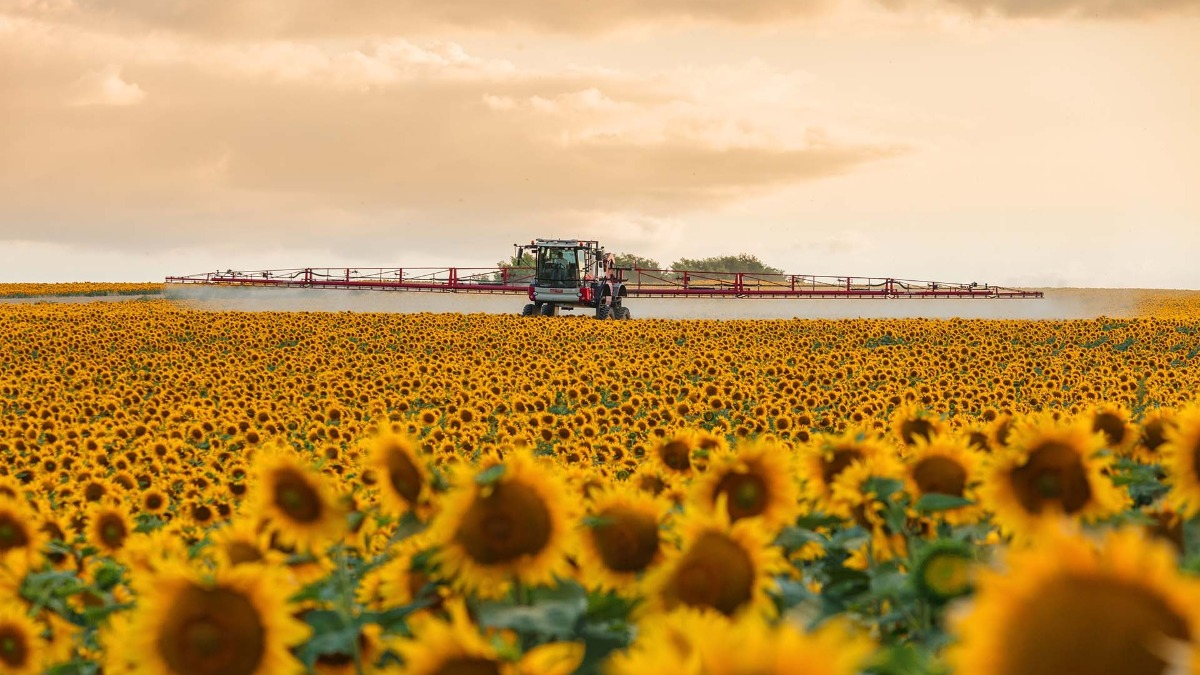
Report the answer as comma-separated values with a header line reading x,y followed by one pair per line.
x,y
634,260
742,262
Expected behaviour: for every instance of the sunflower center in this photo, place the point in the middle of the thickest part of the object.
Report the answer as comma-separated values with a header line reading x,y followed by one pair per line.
x,y
1053,473
627,539
403,475
112,530
1002,432
978,439
675,454
154,502
13,650
1092,625
940,475
241,552
1153,434
468,666
830,468
1112,426
745,494
12,533
911,429
296,497
716,572
210,632
508,522
947,575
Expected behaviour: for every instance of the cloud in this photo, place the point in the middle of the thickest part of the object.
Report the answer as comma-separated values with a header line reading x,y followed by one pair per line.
x,y
303,140
326,18
1084,9
105,87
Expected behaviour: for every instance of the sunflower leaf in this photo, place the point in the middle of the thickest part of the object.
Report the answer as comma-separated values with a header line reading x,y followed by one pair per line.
x,y
490,475
933,502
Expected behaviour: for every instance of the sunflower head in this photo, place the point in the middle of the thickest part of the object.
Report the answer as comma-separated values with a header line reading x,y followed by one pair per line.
x,y
719,566
21,539
1050,468
508,521
1075,605
757,480
296,501
1112,421
911,422
1181,458
620,538
399,464
22,649
109,527
946,465
236,624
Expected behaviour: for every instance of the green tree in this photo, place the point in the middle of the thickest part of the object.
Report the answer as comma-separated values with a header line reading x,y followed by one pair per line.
x,y
634,260
742,262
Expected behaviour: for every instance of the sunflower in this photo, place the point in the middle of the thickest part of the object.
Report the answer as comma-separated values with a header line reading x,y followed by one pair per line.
x,y
620,538
146,552
154,501
236,624
827,456
854,498
722,566
1050,468
911,422
296,502
243,542
456,646
945,465
1153,435
22,649
1112,421
21,540
1074,605
405,578
1181,459
509,522
397,459
755,481
109,526
688,640
674,455
55,528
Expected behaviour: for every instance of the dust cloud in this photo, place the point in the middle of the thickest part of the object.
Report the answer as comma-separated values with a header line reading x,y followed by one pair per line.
x,y
1058,304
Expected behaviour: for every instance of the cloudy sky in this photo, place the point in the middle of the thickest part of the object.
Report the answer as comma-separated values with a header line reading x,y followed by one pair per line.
x,y
1015,142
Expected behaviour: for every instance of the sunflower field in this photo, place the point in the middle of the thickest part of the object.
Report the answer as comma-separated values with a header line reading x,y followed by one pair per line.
x,y
202,493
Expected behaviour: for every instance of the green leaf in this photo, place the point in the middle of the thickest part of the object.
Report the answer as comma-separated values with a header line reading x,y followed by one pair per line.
x,y
882,488
792,538
932,502
490,475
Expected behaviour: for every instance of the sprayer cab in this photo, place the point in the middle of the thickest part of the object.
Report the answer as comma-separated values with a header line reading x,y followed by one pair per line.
x,y
570,273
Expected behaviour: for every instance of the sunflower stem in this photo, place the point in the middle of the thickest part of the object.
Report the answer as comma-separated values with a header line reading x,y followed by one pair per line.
x,y
521,593
347,600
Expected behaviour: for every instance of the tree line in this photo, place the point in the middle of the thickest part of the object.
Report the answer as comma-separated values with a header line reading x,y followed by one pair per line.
x,y
742,262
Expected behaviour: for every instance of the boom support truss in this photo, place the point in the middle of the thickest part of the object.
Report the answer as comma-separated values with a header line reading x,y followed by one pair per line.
x,y
639,282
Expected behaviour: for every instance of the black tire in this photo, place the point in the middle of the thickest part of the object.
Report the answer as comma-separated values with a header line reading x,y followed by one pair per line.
x,y
529,310
603,312
622,313
548,309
